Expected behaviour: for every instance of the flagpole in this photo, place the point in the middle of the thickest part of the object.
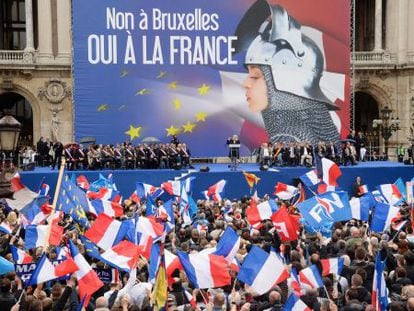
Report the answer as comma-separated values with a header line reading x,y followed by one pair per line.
x,y
55,197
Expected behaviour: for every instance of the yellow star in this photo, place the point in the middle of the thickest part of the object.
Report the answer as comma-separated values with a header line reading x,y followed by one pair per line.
x,y
189,127
201,116
142,92
203,90
172,130
173,85
124,73
133,132
102,107
161,74
177,104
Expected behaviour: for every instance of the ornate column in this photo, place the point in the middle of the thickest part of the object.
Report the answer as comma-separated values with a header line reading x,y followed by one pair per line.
x,y
44,11
63,28
29,26
378,25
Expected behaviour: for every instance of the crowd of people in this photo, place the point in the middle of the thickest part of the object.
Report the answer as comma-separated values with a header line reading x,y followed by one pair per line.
x,y
351,240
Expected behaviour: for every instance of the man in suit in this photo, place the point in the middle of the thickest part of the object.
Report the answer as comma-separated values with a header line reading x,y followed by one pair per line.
x,y
305,154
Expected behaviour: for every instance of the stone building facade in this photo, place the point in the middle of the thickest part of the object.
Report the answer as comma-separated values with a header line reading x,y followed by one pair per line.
x,y
36,58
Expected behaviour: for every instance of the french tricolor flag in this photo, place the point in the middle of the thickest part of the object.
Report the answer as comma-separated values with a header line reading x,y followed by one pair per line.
x,y
391,193
330,172
332,265
409,186
379,299
384,215
22,195
310,276
143,190
149,226
36,236
20,256
123,256
228,245
360,208
172,263
113,209
258,212
294,303
190,298
310,178
173,187
82,182
104,194
5,227
261,270
217,190
205,270
88,280
106,231
400,225
44,189
285,192
46,271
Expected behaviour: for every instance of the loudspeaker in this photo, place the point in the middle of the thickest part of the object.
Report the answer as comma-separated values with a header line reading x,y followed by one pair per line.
x,y
28,166
204,169
264,167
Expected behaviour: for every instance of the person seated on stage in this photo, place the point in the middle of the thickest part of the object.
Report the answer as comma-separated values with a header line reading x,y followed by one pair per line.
x,y
348,154
141,157
93,156
277,154
264,154
117,156
129,156
332,152
305,154
292,160
162,155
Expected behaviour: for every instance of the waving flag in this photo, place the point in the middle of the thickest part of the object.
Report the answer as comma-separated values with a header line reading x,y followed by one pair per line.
x,y
20,256
112,209
332,265
295,304
88,280
92,250
315,213
82,182
144,190
205,270
401,188
39,236
150,226
106,231
5,266
285,192
285,225
337,204
217,190
251,179
5,227
363,189
44,189
310,179
294,282
228,245
22,195
384,215
258,212
102,182
173,187
379,299
409,186
391,193
72,200
310,276
122,256
190,299
262,271
46,271
330,172
105,194
360,208
36,211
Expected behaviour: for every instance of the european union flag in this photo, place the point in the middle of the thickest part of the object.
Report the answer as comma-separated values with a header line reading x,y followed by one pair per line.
x,y
72,201
92,250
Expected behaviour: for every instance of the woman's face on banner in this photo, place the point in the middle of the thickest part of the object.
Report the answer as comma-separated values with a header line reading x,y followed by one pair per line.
x,y
256,89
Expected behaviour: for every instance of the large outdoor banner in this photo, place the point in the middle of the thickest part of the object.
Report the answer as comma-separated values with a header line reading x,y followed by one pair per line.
x,y
203,70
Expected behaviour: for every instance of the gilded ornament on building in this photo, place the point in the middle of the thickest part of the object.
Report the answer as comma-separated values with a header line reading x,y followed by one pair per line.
x,y
55,91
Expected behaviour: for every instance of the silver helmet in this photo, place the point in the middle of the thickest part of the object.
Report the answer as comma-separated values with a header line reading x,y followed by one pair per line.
x,y
295,60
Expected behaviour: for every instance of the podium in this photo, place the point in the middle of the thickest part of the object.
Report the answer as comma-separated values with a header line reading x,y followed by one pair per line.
x,y
234,156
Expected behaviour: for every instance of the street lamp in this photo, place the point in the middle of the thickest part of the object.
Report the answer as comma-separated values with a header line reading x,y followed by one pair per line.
x,y
9,136
386,126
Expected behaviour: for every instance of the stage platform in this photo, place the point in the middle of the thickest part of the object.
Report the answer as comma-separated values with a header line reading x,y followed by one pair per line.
x,y
372,174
